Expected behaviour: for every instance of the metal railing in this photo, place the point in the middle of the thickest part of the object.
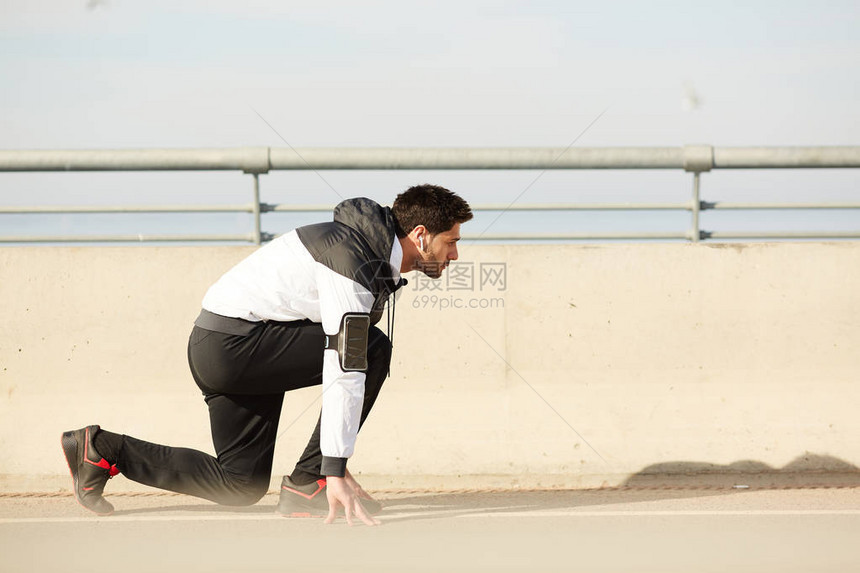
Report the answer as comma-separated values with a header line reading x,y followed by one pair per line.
x,y
694,159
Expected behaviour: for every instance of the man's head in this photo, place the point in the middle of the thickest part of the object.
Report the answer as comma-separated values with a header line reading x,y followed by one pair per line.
x,y
428,225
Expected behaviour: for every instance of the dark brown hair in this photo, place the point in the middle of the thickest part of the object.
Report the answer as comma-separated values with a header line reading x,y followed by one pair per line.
x,y
430,205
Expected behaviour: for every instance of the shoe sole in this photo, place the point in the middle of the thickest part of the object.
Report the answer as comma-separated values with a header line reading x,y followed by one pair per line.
x,y
299,514
298,510
70,451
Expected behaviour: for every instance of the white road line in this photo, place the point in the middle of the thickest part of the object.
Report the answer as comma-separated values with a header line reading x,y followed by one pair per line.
x,y
665,512
473,514
141,518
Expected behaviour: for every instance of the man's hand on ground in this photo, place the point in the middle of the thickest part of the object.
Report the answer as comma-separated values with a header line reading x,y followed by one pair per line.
x,y
341,493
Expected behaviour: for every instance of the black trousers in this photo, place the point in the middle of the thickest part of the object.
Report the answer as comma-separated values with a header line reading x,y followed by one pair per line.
x,y
243,379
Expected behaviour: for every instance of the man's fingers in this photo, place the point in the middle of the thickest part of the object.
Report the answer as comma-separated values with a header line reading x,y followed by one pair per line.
x,y
347,508
363,515
332,512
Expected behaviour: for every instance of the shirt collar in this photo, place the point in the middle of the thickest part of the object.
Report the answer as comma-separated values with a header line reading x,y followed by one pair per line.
x,y
396,258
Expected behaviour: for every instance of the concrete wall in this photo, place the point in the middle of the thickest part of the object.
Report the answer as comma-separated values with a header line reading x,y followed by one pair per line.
x,y
588,365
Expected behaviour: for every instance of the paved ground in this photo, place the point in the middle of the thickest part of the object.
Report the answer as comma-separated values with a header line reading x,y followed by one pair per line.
x,y
598,530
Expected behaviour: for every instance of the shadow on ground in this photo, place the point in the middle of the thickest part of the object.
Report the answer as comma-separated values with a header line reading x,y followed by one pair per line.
x,y
657,482
459,504
259,509
399,507
807,471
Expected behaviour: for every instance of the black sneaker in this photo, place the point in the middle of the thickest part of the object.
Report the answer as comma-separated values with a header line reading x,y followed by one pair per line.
x,y
310,500
303,500
90,471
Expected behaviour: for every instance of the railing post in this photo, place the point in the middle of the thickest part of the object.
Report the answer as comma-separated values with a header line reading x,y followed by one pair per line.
x,y
697,159
256,212
697,205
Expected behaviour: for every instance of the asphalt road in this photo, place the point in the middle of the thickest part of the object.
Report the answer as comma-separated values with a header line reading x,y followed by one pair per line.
x,y
598,530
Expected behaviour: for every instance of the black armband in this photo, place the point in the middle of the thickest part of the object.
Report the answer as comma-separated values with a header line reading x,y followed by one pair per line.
x,y
350,342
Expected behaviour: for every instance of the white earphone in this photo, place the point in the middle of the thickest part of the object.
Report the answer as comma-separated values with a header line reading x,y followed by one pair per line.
x,y
421,241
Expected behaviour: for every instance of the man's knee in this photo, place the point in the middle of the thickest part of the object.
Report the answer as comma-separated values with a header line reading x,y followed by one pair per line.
x,y
246,493
378,362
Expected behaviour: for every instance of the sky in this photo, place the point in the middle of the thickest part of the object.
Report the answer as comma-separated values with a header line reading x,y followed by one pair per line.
x,y
95,74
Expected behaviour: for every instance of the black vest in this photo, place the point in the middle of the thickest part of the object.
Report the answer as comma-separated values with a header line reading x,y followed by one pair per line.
x,y
357,245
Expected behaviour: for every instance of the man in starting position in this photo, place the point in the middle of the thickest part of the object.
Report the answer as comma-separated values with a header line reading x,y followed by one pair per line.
x,y
296,313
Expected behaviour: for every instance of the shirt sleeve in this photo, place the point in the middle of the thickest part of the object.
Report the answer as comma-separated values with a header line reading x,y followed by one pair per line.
x,y
342,392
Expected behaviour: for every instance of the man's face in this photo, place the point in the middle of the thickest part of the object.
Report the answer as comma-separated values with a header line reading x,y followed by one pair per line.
x,y
439,251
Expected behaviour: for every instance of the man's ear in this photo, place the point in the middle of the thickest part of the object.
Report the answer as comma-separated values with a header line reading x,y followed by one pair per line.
x,y
418,236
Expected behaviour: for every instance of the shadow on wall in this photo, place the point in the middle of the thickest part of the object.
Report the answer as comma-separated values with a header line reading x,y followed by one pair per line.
x,y
808,470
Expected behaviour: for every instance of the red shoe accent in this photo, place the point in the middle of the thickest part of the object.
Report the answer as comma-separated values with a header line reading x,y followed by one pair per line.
x,y
103,463
320,486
